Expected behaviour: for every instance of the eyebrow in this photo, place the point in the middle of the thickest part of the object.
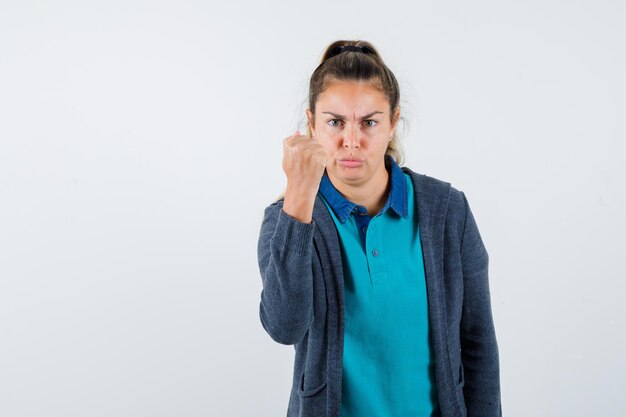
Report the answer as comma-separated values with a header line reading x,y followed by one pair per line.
x,y
339,116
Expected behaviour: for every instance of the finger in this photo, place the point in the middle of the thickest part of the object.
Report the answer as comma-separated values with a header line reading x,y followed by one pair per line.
x,y
297,133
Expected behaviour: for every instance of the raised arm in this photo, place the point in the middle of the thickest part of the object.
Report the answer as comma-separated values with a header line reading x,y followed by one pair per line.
x,y
285,247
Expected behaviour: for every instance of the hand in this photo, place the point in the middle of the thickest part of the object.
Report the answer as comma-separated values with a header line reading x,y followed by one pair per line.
x,y
304,161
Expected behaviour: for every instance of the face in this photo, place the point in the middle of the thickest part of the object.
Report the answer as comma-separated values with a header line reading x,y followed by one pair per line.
x,y
352,122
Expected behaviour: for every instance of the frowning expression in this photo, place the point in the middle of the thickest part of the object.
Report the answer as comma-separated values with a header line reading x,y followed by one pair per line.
x,y
352,122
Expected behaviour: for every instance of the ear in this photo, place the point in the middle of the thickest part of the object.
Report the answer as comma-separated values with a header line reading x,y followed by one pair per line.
x,y
394,120
311,119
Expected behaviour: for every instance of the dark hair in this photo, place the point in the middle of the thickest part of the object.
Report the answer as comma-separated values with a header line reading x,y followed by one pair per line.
x,y
351,65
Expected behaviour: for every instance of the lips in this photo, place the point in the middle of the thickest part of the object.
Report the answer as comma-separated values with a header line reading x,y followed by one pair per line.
x,y
350,162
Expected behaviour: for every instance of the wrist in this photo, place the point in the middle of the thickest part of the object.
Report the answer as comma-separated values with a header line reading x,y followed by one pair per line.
x,y
299,205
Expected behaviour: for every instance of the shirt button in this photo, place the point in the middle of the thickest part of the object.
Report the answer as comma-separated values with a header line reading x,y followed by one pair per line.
x,y
365,229
374,252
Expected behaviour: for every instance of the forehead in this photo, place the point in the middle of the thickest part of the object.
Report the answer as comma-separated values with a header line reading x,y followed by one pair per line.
x,y
357,96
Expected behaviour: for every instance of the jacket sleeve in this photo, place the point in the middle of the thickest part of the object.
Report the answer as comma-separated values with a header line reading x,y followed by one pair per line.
x,y
285,250
479,348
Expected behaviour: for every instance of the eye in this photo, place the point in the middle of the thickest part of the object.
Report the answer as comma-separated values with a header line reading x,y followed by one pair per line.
x,y
334,120
374,123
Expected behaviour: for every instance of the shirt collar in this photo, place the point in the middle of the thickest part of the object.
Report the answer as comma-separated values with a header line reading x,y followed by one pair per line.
x,y
397,199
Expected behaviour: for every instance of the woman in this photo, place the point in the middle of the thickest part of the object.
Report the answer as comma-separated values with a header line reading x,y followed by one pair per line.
x,y
376,274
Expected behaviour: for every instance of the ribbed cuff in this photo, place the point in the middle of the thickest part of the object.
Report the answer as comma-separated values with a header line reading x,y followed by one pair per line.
x,y
294,234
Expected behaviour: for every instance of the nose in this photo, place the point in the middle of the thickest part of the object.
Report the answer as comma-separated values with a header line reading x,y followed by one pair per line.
x,y
350,139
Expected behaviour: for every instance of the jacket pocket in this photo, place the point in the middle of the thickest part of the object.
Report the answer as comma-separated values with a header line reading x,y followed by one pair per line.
x,y
461,380
459,391
309,392
312,400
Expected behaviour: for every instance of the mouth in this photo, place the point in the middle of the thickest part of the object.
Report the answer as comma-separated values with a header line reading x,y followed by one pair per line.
x,y
350,162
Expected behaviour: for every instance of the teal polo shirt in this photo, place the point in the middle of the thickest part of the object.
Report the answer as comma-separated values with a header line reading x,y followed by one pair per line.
x,y
388,366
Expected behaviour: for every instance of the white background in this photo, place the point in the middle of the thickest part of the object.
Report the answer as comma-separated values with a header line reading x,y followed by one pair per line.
x,y
140,142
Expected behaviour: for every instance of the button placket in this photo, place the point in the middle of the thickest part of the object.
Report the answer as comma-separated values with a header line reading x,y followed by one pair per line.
x,y
376,262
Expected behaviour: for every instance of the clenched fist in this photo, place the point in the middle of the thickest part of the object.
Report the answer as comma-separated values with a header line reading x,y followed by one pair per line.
x,y
304,161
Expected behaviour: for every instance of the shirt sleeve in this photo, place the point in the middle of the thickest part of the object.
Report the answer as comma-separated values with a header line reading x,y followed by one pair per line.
x,y
285,250
479,348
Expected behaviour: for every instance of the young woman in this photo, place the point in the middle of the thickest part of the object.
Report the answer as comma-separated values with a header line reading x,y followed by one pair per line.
x,y
375,273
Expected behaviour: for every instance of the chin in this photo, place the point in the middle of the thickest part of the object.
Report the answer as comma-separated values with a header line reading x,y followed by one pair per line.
x,y
350,175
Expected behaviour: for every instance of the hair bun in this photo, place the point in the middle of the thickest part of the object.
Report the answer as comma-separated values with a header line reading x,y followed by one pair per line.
x,y
347,48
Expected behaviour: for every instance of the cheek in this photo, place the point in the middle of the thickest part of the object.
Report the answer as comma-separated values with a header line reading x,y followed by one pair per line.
x,y
329,145
327,131
329,139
